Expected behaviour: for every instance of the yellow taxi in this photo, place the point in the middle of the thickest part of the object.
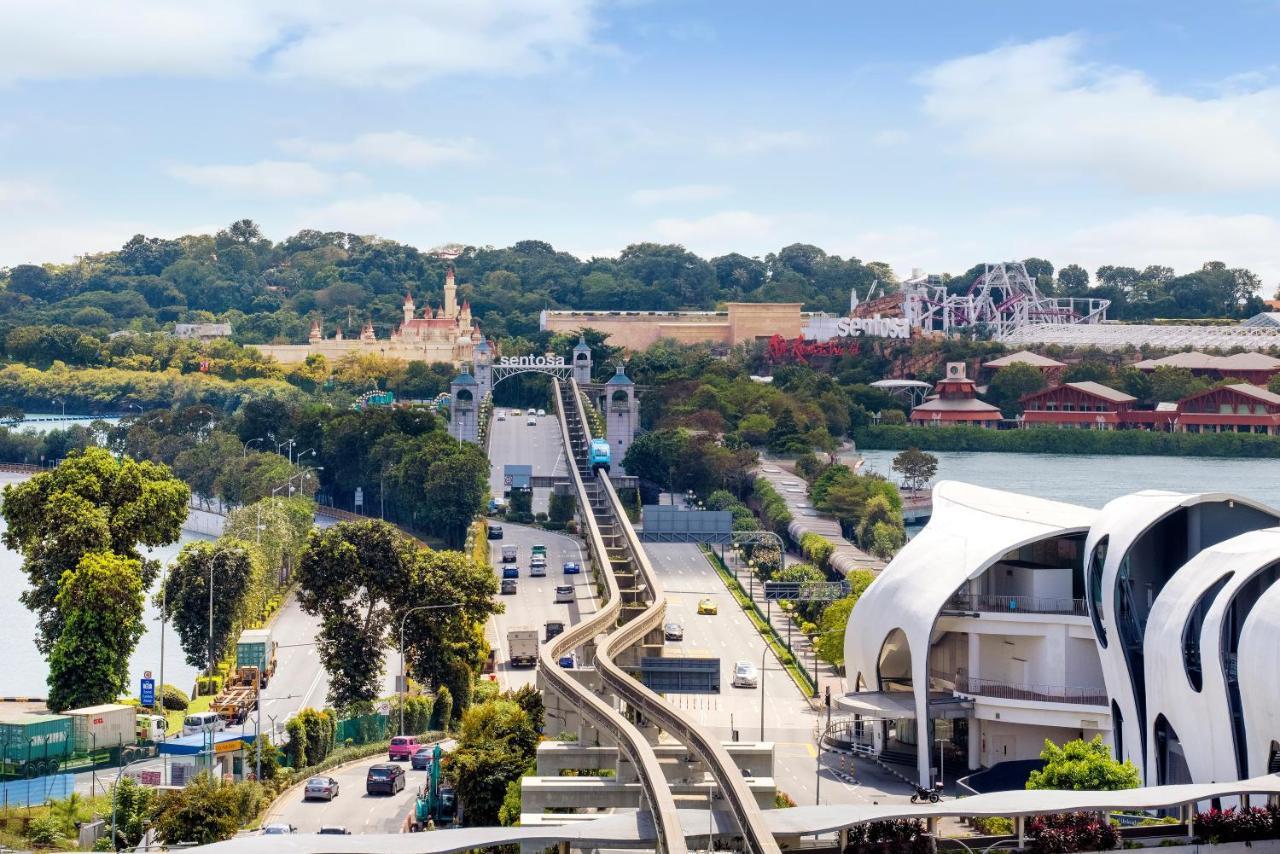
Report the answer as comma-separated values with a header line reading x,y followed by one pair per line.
x,y
708,606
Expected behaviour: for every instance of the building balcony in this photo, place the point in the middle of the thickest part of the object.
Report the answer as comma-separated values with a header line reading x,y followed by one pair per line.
x,y
1002,690
993,603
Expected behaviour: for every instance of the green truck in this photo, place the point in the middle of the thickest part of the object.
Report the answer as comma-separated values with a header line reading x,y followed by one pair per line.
x,y
33,745
257,649
436,804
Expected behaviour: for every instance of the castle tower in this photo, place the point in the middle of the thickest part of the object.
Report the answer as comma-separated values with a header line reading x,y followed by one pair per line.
x,y
316,334
582,362
464,319
464,410
622,415
450,294
408,307
484,367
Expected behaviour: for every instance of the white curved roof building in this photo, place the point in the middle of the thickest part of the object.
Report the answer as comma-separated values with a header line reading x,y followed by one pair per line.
x,y
1011,619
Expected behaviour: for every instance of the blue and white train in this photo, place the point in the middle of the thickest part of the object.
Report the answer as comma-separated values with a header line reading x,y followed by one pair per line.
x,y
599,454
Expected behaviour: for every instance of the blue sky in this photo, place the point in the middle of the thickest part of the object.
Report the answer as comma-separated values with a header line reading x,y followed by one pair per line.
x,y
932,135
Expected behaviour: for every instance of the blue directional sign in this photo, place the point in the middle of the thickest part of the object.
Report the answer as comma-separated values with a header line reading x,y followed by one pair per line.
x,y
147,696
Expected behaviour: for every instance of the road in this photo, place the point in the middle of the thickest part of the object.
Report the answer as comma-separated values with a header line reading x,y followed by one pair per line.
x,y
789,721
513,442
353,809
534,601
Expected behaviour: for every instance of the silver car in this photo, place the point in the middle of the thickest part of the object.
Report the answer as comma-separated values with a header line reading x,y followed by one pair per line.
x,y
320,789
673,631
745,675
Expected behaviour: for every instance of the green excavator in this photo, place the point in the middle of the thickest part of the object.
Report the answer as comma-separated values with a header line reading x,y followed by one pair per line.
x,y
436,805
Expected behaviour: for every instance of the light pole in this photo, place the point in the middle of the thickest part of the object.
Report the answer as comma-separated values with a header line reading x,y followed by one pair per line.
x,y
257,731
288,442
245,453
401,680
763,653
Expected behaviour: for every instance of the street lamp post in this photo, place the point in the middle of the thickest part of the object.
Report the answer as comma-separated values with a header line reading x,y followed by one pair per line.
x,y
245,451
763,653
257,731
401,680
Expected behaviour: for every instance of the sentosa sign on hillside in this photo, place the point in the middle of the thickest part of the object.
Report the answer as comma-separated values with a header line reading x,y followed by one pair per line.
x,y
826,328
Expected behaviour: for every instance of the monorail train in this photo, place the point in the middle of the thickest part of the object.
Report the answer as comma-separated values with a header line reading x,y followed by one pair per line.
x,y
599,454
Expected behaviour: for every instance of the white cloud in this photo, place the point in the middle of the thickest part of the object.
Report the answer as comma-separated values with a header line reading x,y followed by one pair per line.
x,y
399,148
754,142
678,194
63,242
1180,240
1040,106
393,215
266,178
717,234
384,42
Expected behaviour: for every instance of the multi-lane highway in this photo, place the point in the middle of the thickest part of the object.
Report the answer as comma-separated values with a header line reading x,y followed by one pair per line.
x,y
533,603
514,442
353,809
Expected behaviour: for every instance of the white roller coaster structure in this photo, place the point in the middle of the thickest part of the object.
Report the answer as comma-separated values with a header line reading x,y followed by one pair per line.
x,y
1003,299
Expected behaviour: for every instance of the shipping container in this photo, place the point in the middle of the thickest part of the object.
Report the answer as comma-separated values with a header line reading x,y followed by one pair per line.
x,y
257,649
103,727
37,739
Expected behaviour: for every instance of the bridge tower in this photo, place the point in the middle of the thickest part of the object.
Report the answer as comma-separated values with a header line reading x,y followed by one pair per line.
x,y
464,410
484,367
582,362
622,415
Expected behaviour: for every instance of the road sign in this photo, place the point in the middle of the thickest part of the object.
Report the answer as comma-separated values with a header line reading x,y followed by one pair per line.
x,y
147,695
146,674
359,496
384,708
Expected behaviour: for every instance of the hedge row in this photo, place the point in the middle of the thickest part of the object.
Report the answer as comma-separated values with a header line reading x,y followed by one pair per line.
x,y
1049,440
817,549
773,509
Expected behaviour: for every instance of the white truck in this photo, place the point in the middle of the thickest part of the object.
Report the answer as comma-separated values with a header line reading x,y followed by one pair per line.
x,y
510,554
523,644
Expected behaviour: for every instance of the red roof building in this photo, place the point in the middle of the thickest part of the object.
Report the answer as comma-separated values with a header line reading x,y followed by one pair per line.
x,y
1051,368
1251,367
1082,405
1240,408
956,402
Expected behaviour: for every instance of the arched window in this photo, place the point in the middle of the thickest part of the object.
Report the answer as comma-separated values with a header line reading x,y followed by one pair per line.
x,y
894,664
1191,633
1117,730
1097,561
1171,761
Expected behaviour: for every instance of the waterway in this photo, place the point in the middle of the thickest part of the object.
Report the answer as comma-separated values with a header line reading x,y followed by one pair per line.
x,y
25,671
1093,480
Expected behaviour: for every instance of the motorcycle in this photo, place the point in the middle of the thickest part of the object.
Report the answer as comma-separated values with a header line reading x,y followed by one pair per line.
x,y
931,795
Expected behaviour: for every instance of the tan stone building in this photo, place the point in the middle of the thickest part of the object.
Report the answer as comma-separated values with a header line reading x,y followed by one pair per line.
x,y
447,334
742,322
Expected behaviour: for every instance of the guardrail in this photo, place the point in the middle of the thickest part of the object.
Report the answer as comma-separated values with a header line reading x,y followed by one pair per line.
x,y
1003,690
991,603
732,787
606,717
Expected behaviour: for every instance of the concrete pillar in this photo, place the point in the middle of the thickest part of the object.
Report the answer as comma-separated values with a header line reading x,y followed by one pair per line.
x,y
975,743
1021,824
842,839
582,362
622,416
484,368
464,408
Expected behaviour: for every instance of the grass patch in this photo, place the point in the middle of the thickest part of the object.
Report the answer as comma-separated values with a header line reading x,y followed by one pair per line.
x,y
798,674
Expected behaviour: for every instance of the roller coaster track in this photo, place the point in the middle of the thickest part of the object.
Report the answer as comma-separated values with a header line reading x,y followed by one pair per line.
x,y
614,548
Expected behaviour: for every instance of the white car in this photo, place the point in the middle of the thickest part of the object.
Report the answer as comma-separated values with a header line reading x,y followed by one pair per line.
x,y
502,416
531,422
538,570
531,411
745,675
542,413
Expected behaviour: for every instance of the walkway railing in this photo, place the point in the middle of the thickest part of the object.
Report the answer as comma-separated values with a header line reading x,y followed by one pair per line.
x,y
991,603
1003,690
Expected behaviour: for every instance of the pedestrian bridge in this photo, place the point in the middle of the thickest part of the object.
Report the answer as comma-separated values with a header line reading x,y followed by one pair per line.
x,y
636,830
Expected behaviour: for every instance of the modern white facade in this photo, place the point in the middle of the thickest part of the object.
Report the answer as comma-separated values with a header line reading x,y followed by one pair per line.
x,y
1011,619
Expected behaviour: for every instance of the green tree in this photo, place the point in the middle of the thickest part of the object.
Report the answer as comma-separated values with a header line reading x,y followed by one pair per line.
x,y
227,564
1081,765
132,808
496,742
202,813
755,428
654,456
785,436
1173,384
101,604
917,467
835,619
92,502
1011,384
